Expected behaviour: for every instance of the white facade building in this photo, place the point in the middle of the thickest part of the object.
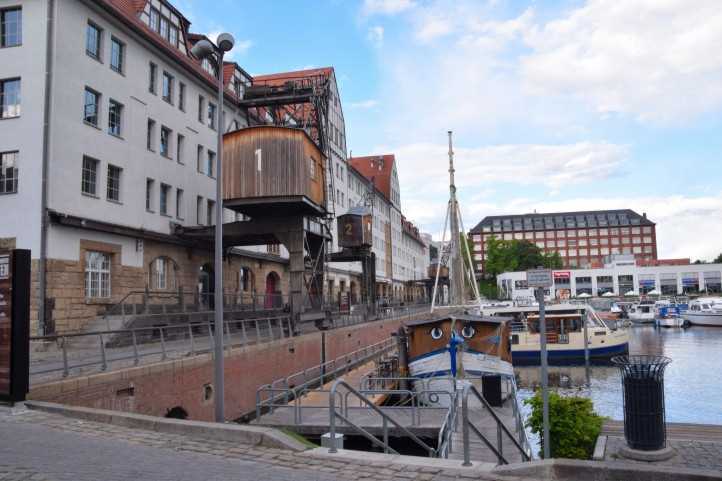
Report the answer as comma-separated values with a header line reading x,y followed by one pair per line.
x,y
110,108
620,277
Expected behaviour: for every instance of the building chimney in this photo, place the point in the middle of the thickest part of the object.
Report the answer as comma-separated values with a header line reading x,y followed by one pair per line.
x,y
644,215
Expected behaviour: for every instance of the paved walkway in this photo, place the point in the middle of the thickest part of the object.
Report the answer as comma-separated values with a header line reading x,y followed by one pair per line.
x,y
696,446
45,447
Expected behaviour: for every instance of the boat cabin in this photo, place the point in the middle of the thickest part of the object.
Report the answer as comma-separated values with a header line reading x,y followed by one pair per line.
x,y
558,326
483,334
273,171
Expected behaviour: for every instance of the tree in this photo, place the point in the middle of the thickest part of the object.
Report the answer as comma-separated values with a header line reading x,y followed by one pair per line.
x,y
718,259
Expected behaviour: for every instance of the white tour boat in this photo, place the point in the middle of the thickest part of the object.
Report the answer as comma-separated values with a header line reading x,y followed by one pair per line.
x,y
642,312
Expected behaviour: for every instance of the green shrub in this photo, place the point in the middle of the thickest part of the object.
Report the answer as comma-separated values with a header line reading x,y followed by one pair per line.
x,y
573,424
488,289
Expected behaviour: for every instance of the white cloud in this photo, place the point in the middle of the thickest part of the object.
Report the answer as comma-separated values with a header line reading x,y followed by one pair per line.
x,y
364,104
376,35
385,7
483,169
239,48
658,61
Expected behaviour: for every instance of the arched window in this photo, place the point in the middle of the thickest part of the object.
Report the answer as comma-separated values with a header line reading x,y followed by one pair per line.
x,y
245,280
163,273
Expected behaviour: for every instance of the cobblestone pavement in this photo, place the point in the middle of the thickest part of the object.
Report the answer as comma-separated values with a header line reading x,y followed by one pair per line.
x,y
37,446
689,454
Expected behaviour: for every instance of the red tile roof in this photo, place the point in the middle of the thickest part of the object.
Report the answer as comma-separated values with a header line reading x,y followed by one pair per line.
x,y
129,10
378,167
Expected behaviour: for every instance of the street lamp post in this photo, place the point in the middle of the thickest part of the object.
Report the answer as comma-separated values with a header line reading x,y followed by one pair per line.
x,y
205,49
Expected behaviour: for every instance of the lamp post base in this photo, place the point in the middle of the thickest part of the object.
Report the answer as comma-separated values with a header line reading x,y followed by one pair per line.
x,y
648,456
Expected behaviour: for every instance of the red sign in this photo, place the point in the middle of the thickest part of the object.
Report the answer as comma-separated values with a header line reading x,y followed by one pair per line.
x,y
562,275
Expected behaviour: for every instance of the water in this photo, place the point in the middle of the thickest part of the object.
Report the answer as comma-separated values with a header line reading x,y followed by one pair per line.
x,y
692,381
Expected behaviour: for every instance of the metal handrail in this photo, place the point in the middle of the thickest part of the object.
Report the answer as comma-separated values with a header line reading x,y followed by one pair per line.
x,y
385,420
444,441
62,340
500,428
369,352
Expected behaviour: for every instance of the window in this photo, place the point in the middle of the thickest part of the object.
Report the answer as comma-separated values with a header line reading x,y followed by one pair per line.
x,y
182,96
211,164
199,159
167,87
201,104
212,115
199,210
117,54
93,35
89,176
164,193
149,185
97,274
115,115
160,269
8,172
165,134
155,19
180,148
11,27
113,191
152,75
9,98
179,203
90,113
209,212
150,135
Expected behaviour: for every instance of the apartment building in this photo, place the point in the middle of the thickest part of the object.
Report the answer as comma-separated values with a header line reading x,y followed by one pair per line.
x,y
401,254
107,142
582,239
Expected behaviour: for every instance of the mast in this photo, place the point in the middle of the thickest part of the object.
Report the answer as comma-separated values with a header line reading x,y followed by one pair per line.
x,y
457,269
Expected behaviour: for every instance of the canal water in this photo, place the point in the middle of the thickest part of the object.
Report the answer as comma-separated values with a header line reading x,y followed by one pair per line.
x,y
693,380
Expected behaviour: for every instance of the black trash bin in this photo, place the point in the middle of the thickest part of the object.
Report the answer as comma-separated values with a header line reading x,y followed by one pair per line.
x,y
643,386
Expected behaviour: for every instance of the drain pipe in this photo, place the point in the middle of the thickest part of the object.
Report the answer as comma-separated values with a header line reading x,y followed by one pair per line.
x,y
42,264
401,339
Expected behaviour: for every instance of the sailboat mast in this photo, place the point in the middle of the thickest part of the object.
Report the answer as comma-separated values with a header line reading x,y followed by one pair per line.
x,y
457,269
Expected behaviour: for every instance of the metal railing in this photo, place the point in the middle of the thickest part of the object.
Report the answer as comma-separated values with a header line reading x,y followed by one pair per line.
x,y
386,419
468,426
280,392
158,342
145,302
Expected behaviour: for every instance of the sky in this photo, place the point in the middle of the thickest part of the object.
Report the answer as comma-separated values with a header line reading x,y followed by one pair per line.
x,y
555,105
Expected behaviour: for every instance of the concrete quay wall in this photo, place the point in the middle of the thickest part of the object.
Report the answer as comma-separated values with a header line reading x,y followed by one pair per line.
x,y
155,388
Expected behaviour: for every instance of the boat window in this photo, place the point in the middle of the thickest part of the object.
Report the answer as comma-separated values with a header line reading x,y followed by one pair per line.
x,y
705,306
436,333
468,331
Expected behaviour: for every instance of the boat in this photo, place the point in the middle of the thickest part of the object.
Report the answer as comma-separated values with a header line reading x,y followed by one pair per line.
x,y
446,352
705,311
455,345
642,312
668,313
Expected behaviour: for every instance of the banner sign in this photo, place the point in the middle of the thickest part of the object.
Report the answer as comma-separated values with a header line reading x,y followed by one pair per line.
x,y
562,275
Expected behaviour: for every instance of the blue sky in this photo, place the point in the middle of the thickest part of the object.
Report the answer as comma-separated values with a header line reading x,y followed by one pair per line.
x,y
555,105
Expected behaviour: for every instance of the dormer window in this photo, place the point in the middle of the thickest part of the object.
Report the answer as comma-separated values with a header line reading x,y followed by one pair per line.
x,y
210,67
162,20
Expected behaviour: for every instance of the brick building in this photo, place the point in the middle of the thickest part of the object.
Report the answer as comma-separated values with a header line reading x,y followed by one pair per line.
x,y
582,239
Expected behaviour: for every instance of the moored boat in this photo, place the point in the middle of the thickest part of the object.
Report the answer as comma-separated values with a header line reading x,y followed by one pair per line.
x,y
705,311
447,352
641,313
